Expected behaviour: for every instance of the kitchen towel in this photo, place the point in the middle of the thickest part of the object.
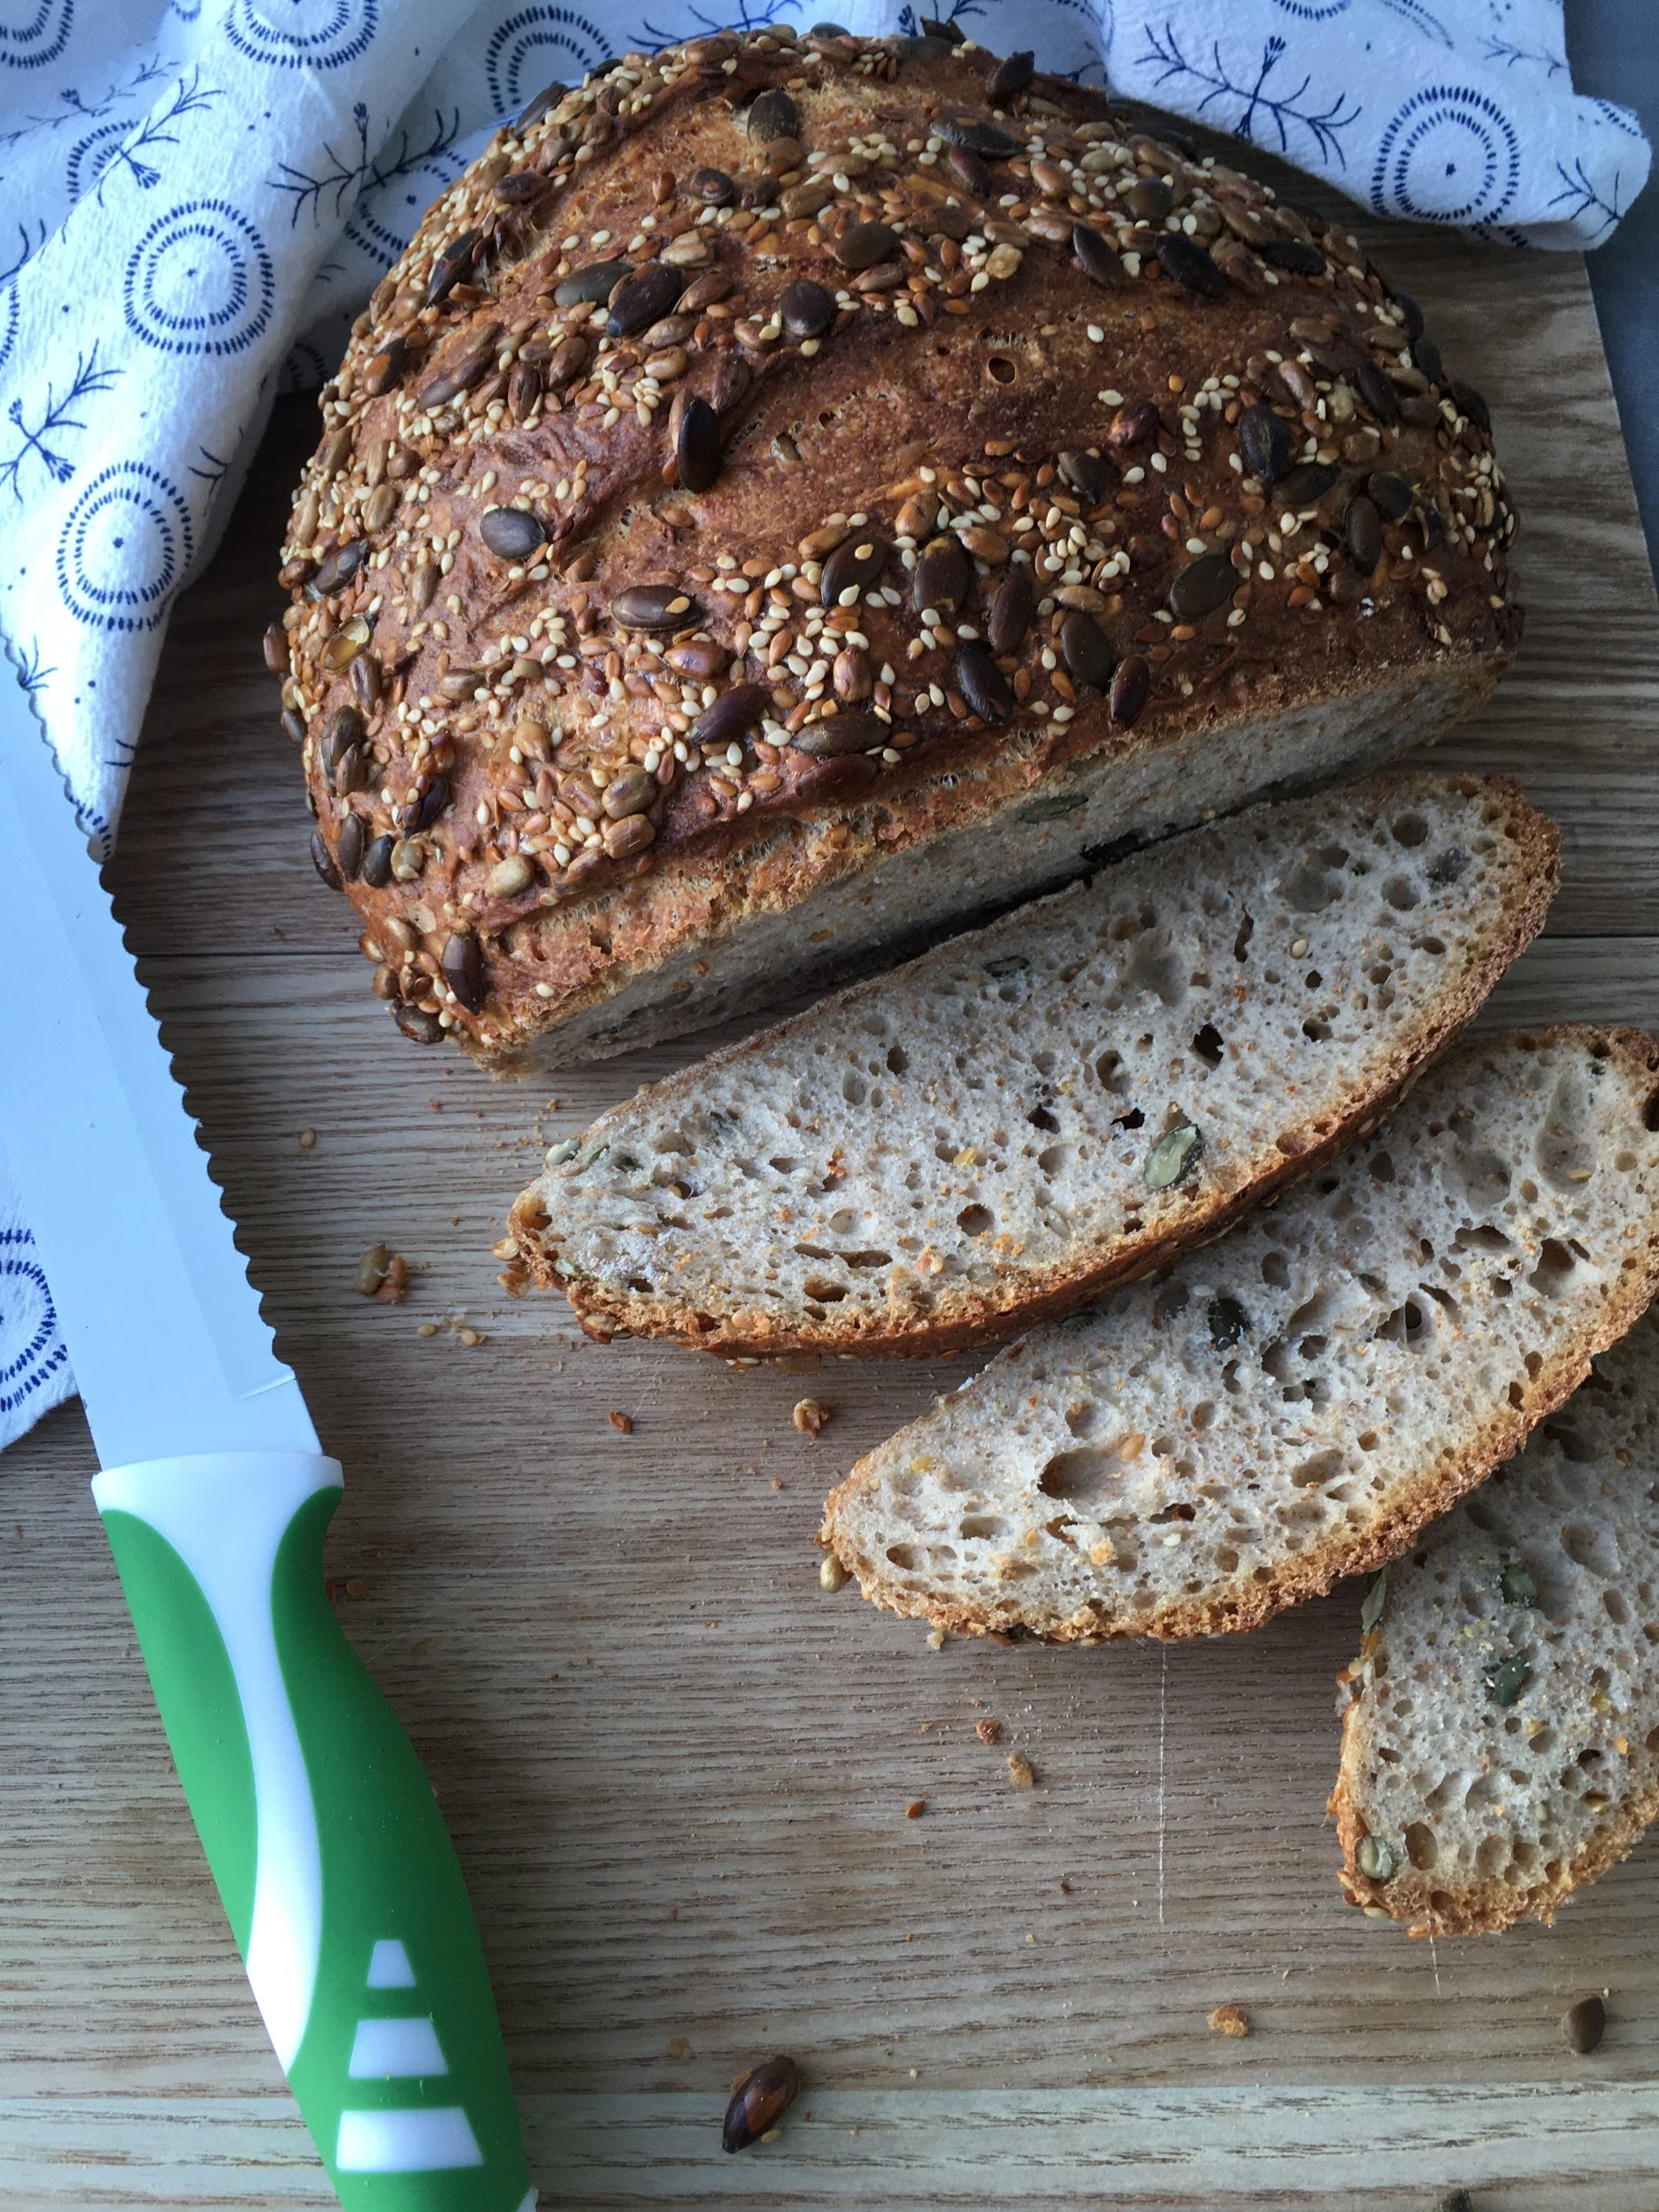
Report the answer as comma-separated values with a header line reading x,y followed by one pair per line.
x,y
196,198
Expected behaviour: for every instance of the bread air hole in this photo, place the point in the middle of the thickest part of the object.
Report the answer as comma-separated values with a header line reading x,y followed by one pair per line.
x,y
1421,1847
974,1221
1410,829
1083,1476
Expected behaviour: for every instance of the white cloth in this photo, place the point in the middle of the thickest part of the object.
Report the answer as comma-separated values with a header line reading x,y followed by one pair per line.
x,y
194,200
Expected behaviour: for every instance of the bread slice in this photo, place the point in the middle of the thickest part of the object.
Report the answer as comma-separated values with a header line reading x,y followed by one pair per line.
x,y
966,1146
1293,1402
1501,1746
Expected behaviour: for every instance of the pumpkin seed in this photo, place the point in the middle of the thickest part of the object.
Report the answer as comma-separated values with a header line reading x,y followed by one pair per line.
x,y
1011,610
1426,355
1448,865
1517,1585
1096,259
1135,421
1470,403
1377,1860
1291,253
1391,493
387,368
865,244
533,111
1191,265
1376,1597
586,287
451,265
349,847
735,710
323,861
773,114
980,138
1087,473
337,568
1584,2024
713,187
655,607
642,299
346,643
942,576
1086,652
521,187
423,1028
1306,485
760,2099
855,564
463,966
1173,1157
1201,587
1377,393
510,533
807,309
1130,686
1363,527
1151,199
1265,442
1228,1323
377,863
982,683
1010,76
838,734
1506,1679
969,172
697,447
344,728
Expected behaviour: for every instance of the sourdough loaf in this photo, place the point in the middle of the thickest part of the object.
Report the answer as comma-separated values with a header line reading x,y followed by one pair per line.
x,y
1501,1746
1293,1402
979,1139
792,491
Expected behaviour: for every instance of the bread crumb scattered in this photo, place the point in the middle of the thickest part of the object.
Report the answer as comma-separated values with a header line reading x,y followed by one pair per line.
x,y
1019,1771
1230,2020
426,1328
810,1417
470,1336
831,1575
917,1807
307,1140
623,1423
986,1731
383,1274
678,2046
936,1639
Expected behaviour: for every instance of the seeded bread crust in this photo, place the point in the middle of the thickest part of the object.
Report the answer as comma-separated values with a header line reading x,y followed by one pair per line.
x,y
1559,1784
555,1223
1468,1443
540,807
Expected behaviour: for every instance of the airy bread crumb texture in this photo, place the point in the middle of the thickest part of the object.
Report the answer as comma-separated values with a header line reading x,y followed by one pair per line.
x,y
1295,1402
1501,1746
964,1146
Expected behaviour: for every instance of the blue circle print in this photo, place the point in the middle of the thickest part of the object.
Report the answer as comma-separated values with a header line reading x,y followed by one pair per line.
x,y
200,281
92,156
536,45
31,1349
1449,156
125,547
1314,10
8,322
39,37
302,34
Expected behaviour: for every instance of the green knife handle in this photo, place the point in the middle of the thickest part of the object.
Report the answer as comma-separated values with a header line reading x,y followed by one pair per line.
x,y
322,1833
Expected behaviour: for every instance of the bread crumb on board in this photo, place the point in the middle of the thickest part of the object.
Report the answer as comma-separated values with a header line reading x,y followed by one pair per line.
x,y
1020,1772
1230,2020
623,1423
986,1731
810,1417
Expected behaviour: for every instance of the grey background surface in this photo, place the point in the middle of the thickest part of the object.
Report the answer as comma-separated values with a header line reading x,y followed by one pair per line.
x,y
1613,48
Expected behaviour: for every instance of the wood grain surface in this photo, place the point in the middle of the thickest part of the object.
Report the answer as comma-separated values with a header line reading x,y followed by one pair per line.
x,y
676,1771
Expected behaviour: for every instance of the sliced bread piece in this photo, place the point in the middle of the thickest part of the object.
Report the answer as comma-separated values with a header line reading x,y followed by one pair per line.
x,y
1295,1402
1501,1748
983,1138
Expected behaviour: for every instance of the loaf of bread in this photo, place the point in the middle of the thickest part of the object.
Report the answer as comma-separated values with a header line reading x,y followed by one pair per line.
x,y
991,1134
1502,1745
1294,1403
792,492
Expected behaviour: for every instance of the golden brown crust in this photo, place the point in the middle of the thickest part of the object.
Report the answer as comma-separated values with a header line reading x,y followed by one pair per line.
x,y
963,1318
1462,1462
957,391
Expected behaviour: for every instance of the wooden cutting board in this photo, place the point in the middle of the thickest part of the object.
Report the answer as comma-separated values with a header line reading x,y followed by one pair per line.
x,y
676,1771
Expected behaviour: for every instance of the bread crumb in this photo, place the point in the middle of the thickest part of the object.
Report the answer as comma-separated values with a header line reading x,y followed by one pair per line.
x,y
470,1336
917,1807
1019,1771
831,1575
986,1731
936,1639
426,1328
307,1140
810,1417
678,2046
623,1423
383,1274
1230,2020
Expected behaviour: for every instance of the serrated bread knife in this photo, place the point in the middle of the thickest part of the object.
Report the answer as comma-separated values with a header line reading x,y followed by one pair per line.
x,y
322,1832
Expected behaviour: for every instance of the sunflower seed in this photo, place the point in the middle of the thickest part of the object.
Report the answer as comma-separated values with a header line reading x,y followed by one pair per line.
x,y
377,863
511,534
1010,76
1201,587
760,2099
1584,2024
807,309
462,967
1265,442
1292,254
380,506
451,265
275,645
655,607
569,359
773,114
510,877
1363,526
388,367
1173,1157
640,299
524,389
841,733
732,712
732,377
1506,1679
855,564
982,683
629,835
1377,1859
1242,221
1191,265
1305,485
1377,393
519,188
338,567
1135,421
586,287
969,172
697,447
1517,1585
630,793
1129,690
533,111
1086,652
1096,259
942,576
430,804
865,244
1011,610
323,861
1392,494
713,187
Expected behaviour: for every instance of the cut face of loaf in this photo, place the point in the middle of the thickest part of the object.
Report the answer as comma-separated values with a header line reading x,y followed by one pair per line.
x,y
985,1136
1502,1744
1295,1402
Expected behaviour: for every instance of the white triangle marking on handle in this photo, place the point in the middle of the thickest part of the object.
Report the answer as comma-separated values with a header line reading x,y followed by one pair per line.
x,y
436,2141
389,1967
396,2050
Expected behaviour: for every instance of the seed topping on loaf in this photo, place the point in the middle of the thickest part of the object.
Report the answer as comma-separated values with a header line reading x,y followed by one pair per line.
x,y
934,410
